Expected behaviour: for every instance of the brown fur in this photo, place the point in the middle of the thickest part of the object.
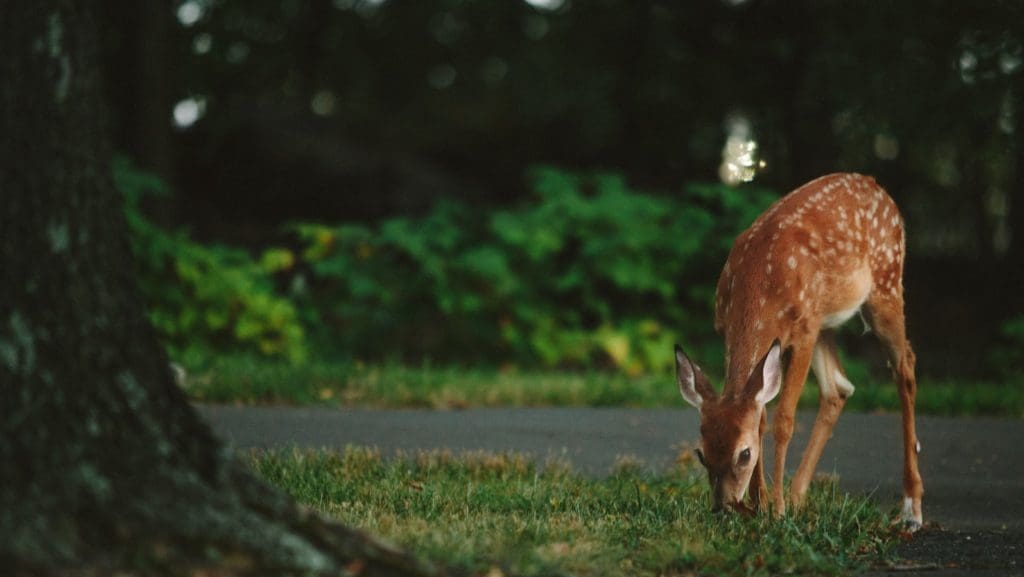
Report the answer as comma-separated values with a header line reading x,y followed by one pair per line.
x,y
812,259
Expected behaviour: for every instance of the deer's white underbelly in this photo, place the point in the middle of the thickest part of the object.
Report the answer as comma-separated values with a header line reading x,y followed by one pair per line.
x,y
851,297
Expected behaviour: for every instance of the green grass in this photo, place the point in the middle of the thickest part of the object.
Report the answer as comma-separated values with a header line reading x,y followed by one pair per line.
x,y
248,381
480,512
245,380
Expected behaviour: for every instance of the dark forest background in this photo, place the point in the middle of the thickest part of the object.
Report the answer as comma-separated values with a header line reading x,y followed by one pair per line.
x,y
321,136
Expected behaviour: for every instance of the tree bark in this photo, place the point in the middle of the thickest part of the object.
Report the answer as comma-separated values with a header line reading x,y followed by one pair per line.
x,y
104,466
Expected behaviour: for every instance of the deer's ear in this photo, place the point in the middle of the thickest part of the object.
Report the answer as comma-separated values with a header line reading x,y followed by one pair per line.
x,y
771,375
693,385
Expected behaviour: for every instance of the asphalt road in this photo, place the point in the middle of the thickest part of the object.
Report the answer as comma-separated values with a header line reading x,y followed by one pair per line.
x,y
973,468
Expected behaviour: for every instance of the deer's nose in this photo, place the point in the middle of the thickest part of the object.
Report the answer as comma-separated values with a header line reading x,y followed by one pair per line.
x,y
719,506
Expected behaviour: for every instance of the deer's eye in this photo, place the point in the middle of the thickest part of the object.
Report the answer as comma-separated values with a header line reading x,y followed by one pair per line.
x,y
700,457
744,456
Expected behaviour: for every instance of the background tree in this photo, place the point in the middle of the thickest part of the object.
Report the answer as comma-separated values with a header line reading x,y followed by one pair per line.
x,y
104,465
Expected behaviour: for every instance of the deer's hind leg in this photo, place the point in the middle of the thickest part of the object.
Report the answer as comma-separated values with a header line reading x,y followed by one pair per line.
x,y
885,311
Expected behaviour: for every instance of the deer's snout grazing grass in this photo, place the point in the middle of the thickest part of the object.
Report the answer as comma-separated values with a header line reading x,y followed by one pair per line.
x,y
481,511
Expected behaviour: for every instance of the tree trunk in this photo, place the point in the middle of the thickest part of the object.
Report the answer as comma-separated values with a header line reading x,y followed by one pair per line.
x,y
104,466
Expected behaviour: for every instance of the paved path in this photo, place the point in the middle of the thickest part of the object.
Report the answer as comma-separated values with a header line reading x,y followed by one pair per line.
x,y
973,469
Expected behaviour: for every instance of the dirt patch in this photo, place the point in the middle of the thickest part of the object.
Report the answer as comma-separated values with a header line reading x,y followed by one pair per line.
x,y
936,551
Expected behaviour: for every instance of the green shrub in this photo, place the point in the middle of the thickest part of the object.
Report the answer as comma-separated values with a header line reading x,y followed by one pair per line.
x,y
587,272
204,299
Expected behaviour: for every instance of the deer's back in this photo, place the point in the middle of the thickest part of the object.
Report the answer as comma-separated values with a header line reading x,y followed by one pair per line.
x,y
810,260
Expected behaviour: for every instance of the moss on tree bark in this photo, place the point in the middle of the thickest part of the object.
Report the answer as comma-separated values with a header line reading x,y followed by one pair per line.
x,y
104,466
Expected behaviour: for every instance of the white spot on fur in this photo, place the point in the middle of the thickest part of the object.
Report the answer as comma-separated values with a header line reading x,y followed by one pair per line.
x,y
791,261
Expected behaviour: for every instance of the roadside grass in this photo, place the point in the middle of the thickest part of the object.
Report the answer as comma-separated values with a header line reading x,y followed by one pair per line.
x,y
250,381
494,514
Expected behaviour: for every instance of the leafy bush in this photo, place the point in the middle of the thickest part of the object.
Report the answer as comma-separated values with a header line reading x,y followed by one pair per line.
x,y
587,272
204,298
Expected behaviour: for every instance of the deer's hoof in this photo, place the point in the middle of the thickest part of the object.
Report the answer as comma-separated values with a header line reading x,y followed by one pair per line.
x,y
911,526
910,517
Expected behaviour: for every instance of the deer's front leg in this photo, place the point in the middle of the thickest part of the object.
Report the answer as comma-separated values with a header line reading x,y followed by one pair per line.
x,y
758,486
785,413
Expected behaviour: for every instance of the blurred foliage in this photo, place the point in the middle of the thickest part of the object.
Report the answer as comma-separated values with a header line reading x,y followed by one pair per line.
x,y
588,272
358,111
1008,356
361,109
204,299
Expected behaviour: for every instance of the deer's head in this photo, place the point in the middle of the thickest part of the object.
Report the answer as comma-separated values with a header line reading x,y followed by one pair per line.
x,y
730,439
